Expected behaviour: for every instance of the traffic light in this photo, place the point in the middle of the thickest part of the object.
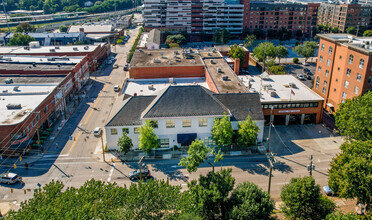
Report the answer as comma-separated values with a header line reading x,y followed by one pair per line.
x,y
15,166
313,167
308,167
20,158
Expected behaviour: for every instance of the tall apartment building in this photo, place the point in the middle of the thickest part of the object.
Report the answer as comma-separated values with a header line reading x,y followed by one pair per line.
x,y
343,68
343,16
194,16
277,15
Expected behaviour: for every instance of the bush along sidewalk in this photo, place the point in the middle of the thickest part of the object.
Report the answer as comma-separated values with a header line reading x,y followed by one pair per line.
x,y
131,52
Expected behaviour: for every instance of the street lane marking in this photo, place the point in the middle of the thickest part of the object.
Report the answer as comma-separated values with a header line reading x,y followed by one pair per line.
x,y
111,172
91,111
73,144
55,155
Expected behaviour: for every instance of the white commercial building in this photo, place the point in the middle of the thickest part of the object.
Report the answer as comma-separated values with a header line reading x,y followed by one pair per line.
x,y
181,114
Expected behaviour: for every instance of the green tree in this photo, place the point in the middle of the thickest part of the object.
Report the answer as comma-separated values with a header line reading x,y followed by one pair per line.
x,y
217,37
277,70
303,199
225,36
125,143
351,172
25,28
354,118
340,216
351,30
335,30
281,52
307,49
177,38
63,28
174,45
147,139
20,40
249,40
264,50
237,52
209,197
197,154
250,202
367,33
248,131
222,131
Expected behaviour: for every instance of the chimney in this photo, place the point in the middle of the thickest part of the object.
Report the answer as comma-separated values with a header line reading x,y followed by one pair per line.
x,y
237,66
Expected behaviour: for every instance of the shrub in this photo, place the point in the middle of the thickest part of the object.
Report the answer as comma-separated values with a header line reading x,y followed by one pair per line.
x,y
296,60
277,70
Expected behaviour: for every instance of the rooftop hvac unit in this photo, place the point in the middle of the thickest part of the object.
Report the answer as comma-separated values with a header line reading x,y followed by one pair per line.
x,y
151,87
225,78
156,60
272,93
26,48
209,54
16,88
57,47
170,62
140,50
5,91
75,48
50,58
8,59
13,106
161,54
52,50
8,81
292,85
171,80
212,62
86,47
149,54
219,69
175,52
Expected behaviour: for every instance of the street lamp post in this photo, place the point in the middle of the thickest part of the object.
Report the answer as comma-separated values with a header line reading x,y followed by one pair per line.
x,y
271,124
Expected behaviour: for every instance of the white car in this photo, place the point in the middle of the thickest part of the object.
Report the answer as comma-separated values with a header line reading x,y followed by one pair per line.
x,y
10,178
300,77
116,88
97,131
328,191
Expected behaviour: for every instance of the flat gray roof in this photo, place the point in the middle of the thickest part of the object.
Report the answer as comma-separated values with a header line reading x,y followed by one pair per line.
x,y
46,49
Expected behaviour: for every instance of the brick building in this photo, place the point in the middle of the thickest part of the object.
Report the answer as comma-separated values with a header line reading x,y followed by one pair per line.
x,y
275,16
96,53
342,16
29,106
343,68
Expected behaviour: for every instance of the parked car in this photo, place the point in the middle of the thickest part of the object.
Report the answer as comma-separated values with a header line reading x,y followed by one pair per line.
x,y
328,191
136,174
126,67
10,178
116,88
300,77
115,66
97,131
309,77
307,71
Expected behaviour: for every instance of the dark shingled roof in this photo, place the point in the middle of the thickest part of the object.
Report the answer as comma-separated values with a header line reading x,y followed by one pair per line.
x,y
241,105
178,101
130,113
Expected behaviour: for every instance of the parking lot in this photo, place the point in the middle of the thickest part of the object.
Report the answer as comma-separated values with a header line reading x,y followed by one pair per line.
x,y
296,69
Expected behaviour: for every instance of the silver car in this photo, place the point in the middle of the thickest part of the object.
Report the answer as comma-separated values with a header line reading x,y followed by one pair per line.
x,y
10,178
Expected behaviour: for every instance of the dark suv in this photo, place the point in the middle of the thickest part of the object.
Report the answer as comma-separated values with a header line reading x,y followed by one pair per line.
x,y
135,175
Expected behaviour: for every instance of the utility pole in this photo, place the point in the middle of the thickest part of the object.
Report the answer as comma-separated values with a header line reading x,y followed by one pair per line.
x,y
272,160
271,124
264,64
311,167
103,149
6,17
140,166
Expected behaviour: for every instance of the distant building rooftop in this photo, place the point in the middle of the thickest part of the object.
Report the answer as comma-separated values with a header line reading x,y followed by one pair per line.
x,y
92,28
361,44
29,92
168,57
278,88
49,35
47,49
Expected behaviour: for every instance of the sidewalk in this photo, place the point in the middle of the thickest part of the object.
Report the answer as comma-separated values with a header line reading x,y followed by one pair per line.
x,y
49,146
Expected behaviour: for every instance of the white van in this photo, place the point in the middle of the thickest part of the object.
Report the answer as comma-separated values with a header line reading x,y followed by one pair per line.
x,y
116,88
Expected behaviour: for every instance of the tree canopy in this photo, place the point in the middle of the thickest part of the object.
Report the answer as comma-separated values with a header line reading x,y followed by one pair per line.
x,y
221,36
177,39
248,131
147,139
307,49
354,118
222,132
63,28
125,143
25,27
351,30
302,199
281,52
19,39
250,40
237,52
351,172
197,153
264,50
367,33
250,202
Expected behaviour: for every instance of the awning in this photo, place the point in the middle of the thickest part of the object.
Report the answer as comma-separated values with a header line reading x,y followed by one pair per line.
x,y
186,139
330,105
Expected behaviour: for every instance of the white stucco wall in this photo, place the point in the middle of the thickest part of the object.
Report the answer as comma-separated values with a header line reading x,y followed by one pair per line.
x,y
153,46
171,133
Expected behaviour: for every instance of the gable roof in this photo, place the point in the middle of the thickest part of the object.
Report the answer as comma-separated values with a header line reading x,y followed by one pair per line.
x,y
241,105
130,113
179,101
154,36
